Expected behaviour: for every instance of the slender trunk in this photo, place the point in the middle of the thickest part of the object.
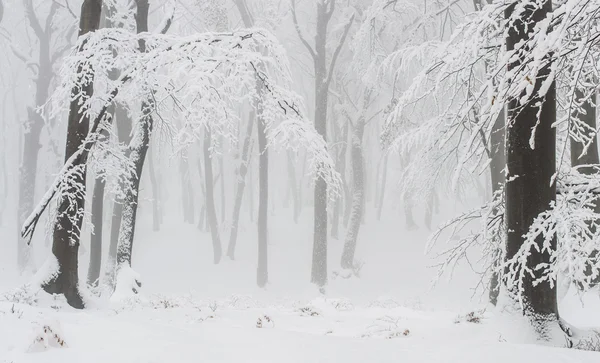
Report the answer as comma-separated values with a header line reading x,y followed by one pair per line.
x,y
319,258
202,222
209,197
31,144
67,227
262,275
293,184
341,162
156,214
358,200
382,188
250,195
186,197
529,190
240,185
222,181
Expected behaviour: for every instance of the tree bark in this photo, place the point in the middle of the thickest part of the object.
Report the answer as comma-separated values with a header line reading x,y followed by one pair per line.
x,y
96,237
240,185
124,127
358,199
210,198
67,227
263,166
382,188
156,213
262,275
294,186
138,149
528,182
578,158
497,165
319,257
341,161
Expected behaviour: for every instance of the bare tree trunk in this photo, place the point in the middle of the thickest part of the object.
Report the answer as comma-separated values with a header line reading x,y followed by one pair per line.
x,y
67,227
156,213
222,181
138,149
294,186
382,187
96,237
186,185
262,275
263,176
33,128
323,76
530,171
240,185
341,160
250,195
202,221
209,196
358,200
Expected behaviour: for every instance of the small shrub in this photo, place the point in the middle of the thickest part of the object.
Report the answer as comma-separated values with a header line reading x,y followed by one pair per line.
x,y
474,317
308,311
590,343
48,338
265,322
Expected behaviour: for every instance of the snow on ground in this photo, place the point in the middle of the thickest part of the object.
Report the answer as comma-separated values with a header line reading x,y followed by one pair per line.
x,y
190,310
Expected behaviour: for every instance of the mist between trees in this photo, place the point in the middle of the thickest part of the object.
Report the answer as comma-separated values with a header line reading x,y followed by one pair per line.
x,y
227,114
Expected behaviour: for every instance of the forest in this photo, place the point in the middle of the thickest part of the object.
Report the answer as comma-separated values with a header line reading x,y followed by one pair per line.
x,y
299,181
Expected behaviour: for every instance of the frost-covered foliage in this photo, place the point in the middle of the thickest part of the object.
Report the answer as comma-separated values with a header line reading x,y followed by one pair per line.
x,y
463,86
197,81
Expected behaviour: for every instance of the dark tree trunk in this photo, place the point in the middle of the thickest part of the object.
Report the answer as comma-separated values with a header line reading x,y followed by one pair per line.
x,y
497,164
578,158
528,188
241,183
67,227
358,199
137,155
210,198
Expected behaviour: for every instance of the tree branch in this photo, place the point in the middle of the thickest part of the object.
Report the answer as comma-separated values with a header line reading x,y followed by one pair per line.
x,y
336,54
33,20
310,50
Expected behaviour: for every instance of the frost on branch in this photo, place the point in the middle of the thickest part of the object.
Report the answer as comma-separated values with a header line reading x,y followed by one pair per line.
x,y
195,81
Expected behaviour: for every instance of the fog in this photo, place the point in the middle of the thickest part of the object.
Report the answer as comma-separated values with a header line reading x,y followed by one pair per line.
x,y
332,168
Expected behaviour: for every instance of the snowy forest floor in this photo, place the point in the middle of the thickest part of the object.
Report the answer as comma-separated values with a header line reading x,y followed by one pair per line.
x,y
190,310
